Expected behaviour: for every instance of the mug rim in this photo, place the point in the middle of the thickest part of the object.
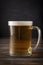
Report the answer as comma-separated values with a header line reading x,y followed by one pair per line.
x,y
20,23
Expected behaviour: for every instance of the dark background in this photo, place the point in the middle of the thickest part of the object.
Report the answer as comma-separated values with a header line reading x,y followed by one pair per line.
x,y
19,10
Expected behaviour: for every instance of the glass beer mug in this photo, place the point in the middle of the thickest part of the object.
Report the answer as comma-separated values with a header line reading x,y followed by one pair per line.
x,y
21,38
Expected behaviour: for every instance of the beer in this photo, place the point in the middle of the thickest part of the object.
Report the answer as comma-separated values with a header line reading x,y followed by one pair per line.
x,y
21,39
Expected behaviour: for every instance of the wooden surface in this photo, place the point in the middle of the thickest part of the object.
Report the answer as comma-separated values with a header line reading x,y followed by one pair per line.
x,y
6,59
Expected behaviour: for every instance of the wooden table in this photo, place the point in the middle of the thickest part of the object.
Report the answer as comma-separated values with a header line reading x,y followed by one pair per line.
x,y
35,59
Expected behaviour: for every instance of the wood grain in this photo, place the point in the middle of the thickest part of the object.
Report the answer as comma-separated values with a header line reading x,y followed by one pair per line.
x,y
35,59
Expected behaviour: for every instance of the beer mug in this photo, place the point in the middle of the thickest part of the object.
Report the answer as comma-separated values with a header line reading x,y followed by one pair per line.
x,y
21,38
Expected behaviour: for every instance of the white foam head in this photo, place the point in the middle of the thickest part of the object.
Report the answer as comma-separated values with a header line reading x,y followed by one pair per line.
x,y
20,23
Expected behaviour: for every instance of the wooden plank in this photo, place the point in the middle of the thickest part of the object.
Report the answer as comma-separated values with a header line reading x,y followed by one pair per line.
x,y
35,59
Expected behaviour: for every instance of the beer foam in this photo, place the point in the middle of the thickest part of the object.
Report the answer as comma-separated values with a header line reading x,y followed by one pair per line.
x,y
20,23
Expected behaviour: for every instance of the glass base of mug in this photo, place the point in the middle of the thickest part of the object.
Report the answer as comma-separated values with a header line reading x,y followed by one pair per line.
x,y
29,53
21,55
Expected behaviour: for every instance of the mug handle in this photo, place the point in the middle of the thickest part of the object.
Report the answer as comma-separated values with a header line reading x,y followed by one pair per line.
x,y
39,36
